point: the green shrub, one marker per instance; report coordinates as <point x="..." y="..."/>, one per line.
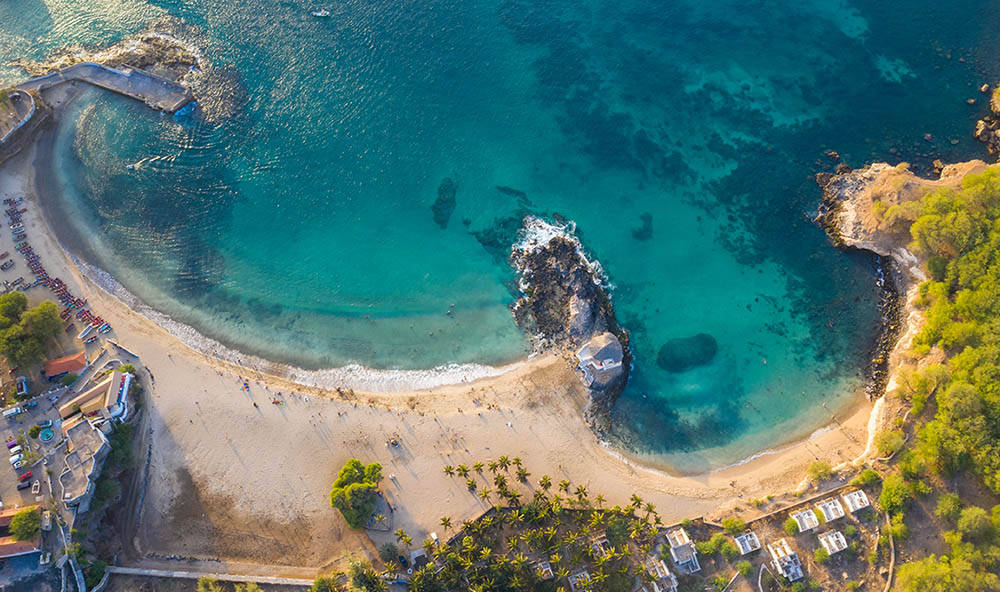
<point x="791" y="526"/>
<point x="34" y="431"/>
<point x="949" y="507"/>
<point x="895" y="494"/>
<point x="866" y="477"/>
<point x="898" y="529"/>
<point x="734" y="526"/>
<point x="745" y="568"/>
<point x="850" y="530"/>
<point x="721" y="581"/>
<point x="68" y="379"/>
<point x="821" y="555"/>
<point x="974" y="524"/>
<point x="819" y="471"/>
<point x="889" y="441"/>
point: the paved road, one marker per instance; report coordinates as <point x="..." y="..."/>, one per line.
<point x="194" y="575"/>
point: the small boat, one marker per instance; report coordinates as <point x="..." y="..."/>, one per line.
<point x="86" y="331"/>
<point x="104" y="328"/>
<point x="321" y="13"/>
<point x="90" y="340"/>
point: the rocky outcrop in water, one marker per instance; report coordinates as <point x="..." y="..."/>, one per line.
<point x="988" y="128"/>
<point x="444" y="205"/>
<point x="683" y="353"/>
<point x="565" y="304"/>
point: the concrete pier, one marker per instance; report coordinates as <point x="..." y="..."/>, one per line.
<point x="158" y="93"/>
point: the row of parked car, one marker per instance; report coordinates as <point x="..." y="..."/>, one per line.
<point x="17" y="460"/>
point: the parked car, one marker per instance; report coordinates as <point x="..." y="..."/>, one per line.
<point x="24" y="477"/>
<point x="36" y="487"/>
<point x="45" y="424"/>
<point x="18" y="464"/>
<point x="23" y="485"/>
<point x="16" y="458"/>
<point x="11" y="443"/>
<point x="31" y="404"/>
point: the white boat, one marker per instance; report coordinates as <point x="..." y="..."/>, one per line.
<point x="322" y="12"/>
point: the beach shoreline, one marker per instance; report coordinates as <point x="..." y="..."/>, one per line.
<point x="532" y="409"/>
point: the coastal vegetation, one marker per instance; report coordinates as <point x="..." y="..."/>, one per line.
<point x="24" y="331"/>
<point x="355" y="493"/>
<point x="953" y="388"/>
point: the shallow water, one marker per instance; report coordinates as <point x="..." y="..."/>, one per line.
<point x="301" y="229"/>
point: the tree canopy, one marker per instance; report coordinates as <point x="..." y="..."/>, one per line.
<point x="25" y="525"/>
<point x="23" y="331"/>
<point x="354" y="491"/>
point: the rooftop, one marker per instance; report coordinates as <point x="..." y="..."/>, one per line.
<point x="86" y="449"/>
<point x="101" y="397"/>
<point x="71" y="363"/>
<point x="856" y="500"/>
<point x="833" y="541"/>
<point x="831" y="509"/>
<point x="806" y="520"/>
<point x="785" y="560"/>
<point x="747" y="543"/>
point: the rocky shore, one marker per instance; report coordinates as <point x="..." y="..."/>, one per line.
<point x="851" y="213"/>
<point x="565" y="305"/>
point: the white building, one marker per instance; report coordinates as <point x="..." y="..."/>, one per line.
<point x="682" y="551"/>
<point x="806" y="520"/>
<point x="856" y="500"/>
<point x="831" y="509"/>
<point x="747" y="543"/>
<point x="785" y="560"/>
<point x="833" y="541"/>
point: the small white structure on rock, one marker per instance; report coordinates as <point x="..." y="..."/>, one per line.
<point x="856" y="500"/>
<point x="682" y="551"/>
<point x="833" y="541"/>
<point x="806" y="520"/>
<point x="831" y="509"/>
<point x="747" y="542"/>
<point x="785" y="560"/>
<point x="600" y="360"/>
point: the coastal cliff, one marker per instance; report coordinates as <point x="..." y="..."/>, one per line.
<point x="565" y="305"/>
<point x="853" y="212"/>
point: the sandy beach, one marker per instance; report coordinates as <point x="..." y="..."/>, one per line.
<point x="235" y="476"/>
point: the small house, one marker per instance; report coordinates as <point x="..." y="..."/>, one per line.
<point x="833" y="541"/>
<point x="661" y="580"/>
<point x="785" y="560"/>
<point x="544" y="570"/>
<point x="806" y="520"/>
<point x="747" y="543"/>
<point x="831" y="509"/>
<point x="61" y="366"/>
<point x="601" y="546"/>
<point x="682" y="551"/>
<point x="856" y="500"/>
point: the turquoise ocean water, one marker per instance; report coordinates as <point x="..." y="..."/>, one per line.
<point x="301" y="229"/>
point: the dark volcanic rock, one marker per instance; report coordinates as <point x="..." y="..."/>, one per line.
<point x="444" y="205"/>
<point x="565" y="304"/>
<point x="684" y="353"/>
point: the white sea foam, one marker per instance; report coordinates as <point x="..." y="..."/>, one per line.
<point x="352" y="376"/>
<point x="537" y="233"/>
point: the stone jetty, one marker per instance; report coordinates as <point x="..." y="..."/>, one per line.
<point x="158" y="93"/>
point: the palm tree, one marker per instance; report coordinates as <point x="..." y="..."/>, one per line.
<point x="478" y="466"/>
<point x="522" y="474"/>
<point x="564" y="486"/>
<point x="400" y="535"/>
<point x="581" y="492"/>
<point x="449" y="470"/>
<point x="599" y="500"/>
<point x="636" y="500"/>
<point x="503" y="462"/>
<point x="545" y="482"/>
<point x="462" y="470"/>
<point x="471" y="484"/>
<point x="517" y="461"/>
<point x="428" y="547"/>
<point x="493" y="466"/>
<point x="500" y="481"/>
<point x="445" y="522"/>
<point x="485" y="493"/>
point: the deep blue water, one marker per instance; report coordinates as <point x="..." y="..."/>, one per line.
<point x="301" y="228"/>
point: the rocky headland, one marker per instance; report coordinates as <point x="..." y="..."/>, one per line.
<point x="852" y="212"/>
<point x="565" y="304"/>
